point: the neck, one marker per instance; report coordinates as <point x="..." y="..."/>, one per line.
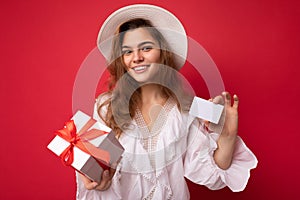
<point x="152" y="94"/>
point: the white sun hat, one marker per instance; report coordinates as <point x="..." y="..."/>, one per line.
<point x="167" y="23"/>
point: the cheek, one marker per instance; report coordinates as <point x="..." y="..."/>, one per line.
<point x="126" y="60"/>
<point x="157" y="56"/>
<point x="154" y="57"/>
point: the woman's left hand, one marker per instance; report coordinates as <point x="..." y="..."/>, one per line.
<point x="228" y="127"/>
<point x="228" y="123"/>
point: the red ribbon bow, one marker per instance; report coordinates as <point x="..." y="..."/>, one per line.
<point x="80" y="140"/>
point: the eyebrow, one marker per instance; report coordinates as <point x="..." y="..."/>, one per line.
<point x="139" y="45"/>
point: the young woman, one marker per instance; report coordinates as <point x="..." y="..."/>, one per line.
<point x="147" y="107"/>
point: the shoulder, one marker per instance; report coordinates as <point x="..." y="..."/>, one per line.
<point x="101" y="107"/>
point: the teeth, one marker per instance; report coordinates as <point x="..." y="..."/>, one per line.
<point x="139" y="68"/>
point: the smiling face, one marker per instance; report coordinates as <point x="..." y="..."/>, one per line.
<point x="139" y="51"/>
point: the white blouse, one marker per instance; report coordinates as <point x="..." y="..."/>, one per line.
<point x="156" y="161"/>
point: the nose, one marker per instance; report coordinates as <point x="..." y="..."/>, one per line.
<point x="137" y="56"/>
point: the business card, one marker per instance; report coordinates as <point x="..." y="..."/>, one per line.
<point x="206" y="110"/>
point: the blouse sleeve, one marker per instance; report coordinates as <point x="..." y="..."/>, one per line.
<point x="113" y="192"/>
<point x="200" y="167"/>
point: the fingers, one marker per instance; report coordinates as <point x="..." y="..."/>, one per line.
<point x="218" y="100"/>
<point x="104" y="184"/>
<point x="88" y="183"/>
<point x="206" y="123"/>
<point x="235" y="101"/>
<point x="106" y="179"/>
<point x="112" y="171"/>
<point x="227" y="98"/>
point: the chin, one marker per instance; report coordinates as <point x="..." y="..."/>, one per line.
<point x="139" y="78"/>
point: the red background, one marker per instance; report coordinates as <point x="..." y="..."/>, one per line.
<point x="255" y="45"/>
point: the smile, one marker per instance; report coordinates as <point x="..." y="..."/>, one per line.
<point x="141" y="68"/>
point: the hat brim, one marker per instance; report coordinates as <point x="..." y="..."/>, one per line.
<point x="168" y="24"/>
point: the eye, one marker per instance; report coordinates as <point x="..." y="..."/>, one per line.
<point x="146" y="48"/>
<point x="126" y="52"/>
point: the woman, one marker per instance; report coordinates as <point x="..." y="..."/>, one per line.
<point x="147" y="107"/>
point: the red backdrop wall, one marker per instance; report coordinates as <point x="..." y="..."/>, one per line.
<point x="255" y="45"/>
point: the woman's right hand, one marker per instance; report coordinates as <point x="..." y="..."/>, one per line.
<point x="104" y="184"/>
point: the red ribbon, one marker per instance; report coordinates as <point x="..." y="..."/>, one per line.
<point x="80" y="140"/>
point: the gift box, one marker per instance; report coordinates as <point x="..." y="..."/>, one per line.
<point x="87" y="145"/>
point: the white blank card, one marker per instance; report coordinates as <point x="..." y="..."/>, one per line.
<point x="206" y="110"/>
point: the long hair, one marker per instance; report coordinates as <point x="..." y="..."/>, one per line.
<point x="124" y="91"/>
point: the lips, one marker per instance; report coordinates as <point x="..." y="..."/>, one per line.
<point x="140" y="68"/>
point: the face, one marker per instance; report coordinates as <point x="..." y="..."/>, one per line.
<point x="139" y="51"/>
